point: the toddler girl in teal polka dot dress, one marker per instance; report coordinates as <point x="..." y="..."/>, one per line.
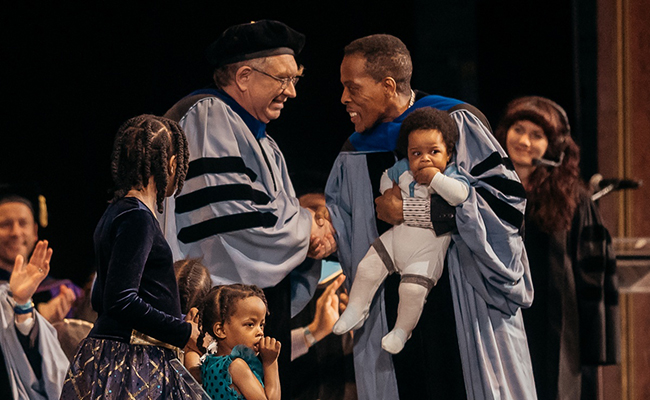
<point x="233" y="317"/>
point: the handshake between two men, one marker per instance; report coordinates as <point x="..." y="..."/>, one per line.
<point x="321" y="242"/>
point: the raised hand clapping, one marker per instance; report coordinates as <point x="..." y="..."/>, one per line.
<point x="25" y="278"/>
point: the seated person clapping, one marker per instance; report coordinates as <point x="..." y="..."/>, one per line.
<point x="33" y="364"/>
<point x="22" y="211"/>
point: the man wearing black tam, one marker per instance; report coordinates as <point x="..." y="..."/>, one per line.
<point x="238" y="210"/>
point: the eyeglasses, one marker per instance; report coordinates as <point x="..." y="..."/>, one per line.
<point x="284" y="81"/>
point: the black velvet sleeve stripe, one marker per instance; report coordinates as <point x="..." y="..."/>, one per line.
<point x="503" y="210"/>
<point x="507" y="162"/>
<point x="493" y="160"/>
<point x="219" y="166"/>
<point x="506" y="186"/>
<point x="228" y="223"/>
<point x="214" y="194"/>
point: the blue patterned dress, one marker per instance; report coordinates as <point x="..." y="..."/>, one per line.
<point x="216" y="375"/>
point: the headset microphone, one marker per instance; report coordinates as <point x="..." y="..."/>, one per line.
<point x="548" y="163"/>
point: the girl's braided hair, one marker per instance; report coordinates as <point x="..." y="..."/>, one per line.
<point x="142" y="149"/>
<point x="194" y="282"/>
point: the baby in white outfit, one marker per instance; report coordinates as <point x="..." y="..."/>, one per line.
<point x="417" y="253"/>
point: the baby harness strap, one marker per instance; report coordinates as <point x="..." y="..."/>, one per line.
<point x="428" y="283"/>
<point x="390" y="266"/>
<point x="385" y="257"/>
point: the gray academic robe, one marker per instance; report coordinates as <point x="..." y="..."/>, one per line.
<point x="24" y="383"/>
<point x="238" y="210"/>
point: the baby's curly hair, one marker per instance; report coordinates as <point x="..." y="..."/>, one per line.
<point x="220" y="304"/>
<point x="143" y="147"/>
<point x="427" y="118"/>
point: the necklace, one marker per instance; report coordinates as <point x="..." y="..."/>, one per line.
<point x="412" y="100"/>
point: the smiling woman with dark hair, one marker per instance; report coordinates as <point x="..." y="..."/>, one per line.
<point x="571" y="326"/>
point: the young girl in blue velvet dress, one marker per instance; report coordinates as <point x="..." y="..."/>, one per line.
<point x="232" y="317"/>
<point x="139" y="329"/>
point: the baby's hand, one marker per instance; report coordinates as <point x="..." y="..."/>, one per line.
<point x="269" y="350"/>
<point x="425" y="175"/>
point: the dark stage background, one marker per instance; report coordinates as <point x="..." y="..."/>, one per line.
<point x="74" y="72"/>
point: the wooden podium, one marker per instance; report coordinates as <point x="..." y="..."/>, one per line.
<point x="631" y="379"/>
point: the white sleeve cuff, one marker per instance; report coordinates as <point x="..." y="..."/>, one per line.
<point x="299" y="344"/>
<point x="26" y="326"/>
<point x="454" y="191"/>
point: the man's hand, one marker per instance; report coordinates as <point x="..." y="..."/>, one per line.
<point x="25" y="278"/>
<point x="58" y="307"/>
<point x="322" y="215"/>
<point x="425" y="175"/>
<point x="321" y="242"/>
<point x="316" y="203"/>
<point x="389" y="206"/>
<point x="327" y="310"/>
